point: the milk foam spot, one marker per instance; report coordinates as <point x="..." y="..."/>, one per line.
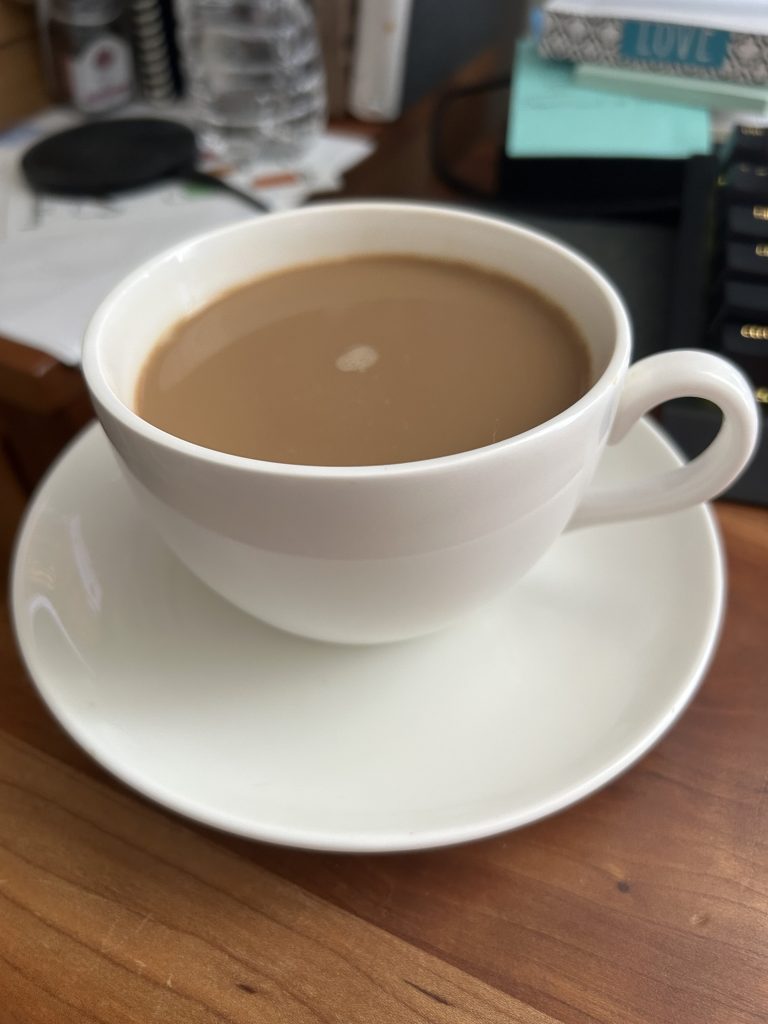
<point x="357" y="359"/>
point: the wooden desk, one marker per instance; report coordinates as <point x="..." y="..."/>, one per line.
<point x="646" y="904"/>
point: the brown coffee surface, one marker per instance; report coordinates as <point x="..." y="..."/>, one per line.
<point x="365" y="361"/>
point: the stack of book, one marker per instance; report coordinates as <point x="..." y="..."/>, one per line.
<point x="707" y="53"/>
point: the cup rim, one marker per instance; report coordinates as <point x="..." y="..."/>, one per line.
<point x="104" y="395"/>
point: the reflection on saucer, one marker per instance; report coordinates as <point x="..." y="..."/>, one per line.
<point x="524" y="708"/>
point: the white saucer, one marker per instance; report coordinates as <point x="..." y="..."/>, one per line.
<point x="526" y="707"/>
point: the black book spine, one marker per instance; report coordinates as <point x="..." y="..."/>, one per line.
<point x="157" y="60"/>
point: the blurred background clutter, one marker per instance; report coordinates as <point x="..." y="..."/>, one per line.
<point x="256" y="80"/>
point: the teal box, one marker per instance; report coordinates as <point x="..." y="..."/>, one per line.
<point x="661" y="42"/>
<point x="551" y="114"/>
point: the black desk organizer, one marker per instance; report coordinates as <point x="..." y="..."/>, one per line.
<point x="680" y="239"/>
<point x="685" y="242"/>
<point x="709" y="261"/>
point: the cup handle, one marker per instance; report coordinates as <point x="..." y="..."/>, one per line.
<point x="683" y="373"/>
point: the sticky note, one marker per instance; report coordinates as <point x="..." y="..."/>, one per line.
<point x="552" y="114"/>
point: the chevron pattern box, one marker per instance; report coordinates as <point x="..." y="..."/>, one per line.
<point x="697" y="50"/>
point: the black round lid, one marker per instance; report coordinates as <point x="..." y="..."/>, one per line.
<point x="109" y="156"/>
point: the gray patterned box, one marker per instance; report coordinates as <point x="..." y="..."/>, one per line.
<point x="655" y="46"/>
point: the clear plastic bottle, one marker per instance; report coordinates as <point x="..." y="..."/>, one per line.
<point x="254" y="74"/>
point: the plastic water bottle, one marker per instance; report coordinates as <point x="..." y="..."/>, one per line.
<point x="254" y="75"/>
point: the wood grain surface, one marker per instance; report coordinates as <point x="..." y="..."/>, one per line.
<point x="114" y="912"/>
<point x="646" y="904"/>
<point x="22" y="91"/>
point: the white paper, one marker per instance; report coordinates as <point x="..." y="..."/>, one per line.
<point x="50" y="286"/>
<point x="60" y="257"/>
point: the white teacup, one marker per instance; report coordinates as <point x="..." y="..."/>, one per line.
<point x="368" y="554"/>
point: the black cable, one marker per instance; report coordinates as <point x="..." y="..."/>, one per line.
<point x="440" y="165"/>
<point x="203" y="178"/>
